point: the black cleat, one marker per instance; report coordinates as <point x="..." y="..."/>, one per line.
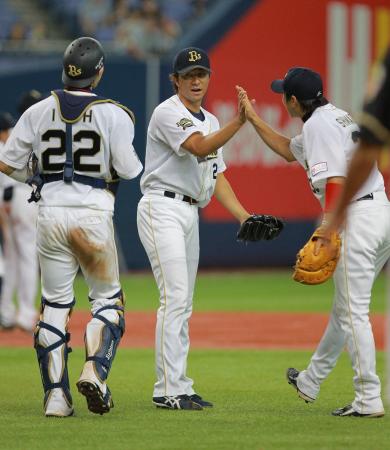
<point x="96" y="401"/>
<point x="199" y="400"/>
<point x="348" y="411"/>
<point x="176" y="402"/>
<point x="292" y="375"/>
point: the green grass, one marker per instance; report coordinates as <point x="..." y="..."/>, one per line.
<point x="237" y="291"/>
<point x="254" y="409"/>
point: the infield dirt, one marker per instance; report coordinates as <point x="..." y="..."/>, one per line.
<point x="224" y="330"/>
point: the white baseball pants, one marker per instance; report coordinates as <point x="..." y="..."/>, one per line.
<point x="60" y="259"/>
<point x="21" y="262"/>
<point x="60" y="262"/>
<point x="169" y="231"/>
<point x="365" y="249"/>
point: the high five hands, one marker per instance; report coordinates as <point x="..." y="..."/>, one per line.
<point x="245" y="106"/>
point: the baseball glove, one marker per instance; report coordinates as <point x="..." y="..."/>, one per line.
<point x="316" y="269"/>
<point x="258" y="227"/>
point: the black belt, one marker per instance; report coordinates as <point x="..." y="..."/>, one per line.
<point x="83" y="179"/>
<point x="366" y="197"/>
<point x="186" y="198"/>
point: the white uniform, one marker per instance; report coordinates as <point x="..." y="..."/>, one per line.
<point x="324" y="149"/>
<point x="74" y="217"/>
<point x="169" y="230"/>
<point x="2" y="220"/>
<point x="20" y="256"/>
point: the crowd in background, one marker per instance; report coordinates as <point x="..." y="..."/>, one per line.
<point x="139" y="28"/>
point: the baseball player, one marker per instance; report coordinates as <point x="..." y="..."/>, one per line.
<point x="20" y="254"/>
<point x="28" y="99"/>
<point x="6" y="124"/>
<point x="80" y="144"/>
<point x="374" y="135"/>
<point x="324" y="148"/>
<point x="183" y="168"/>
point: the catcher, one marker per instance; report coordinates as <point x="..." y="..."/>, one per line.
<point x="328" y="141"/>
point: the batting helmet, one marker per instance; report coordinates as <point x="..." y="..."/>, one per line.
<point x="82" y="61"/>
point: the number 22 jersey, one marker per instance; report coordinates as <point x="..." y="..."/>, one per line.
<point x="101" y="145"/>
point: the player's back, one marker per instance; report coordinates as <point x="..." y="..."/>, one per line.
<point x="101" y="149"/>
<point x="330" y="138"/>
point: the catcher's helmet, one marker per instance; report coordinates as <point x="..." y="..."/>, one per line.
<point x="83" y="59"/>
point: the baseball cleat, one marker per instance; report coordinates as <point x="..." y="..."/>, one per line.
<point x="96" y="401"/>
<point x="57" y="404"/>
<point x="348" y="411"/>
<point x="176" y="402"/>
<point x="59" y="415"/>
<point x="199" y="400"/>
<point x="292" y="376"/>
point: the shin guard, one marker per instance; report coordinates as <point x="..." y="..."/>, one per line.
<point x="110" y="336"/>
<point x="52" y="353"/>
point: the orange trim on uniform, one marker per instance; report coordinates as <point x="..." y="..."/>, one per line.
<point x="332" y="193"/>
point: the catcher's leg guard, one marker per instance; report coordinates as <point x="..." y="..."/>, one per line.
<point x="51" y="344"/>
<point x="102" y="338"/>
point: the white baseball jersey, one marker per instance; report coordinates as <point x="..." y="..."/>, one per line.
<point x="324" y="149"/>
<point x="170" y="167"/>
<point x="326" y="146"/>
<point x="100" y="147"/>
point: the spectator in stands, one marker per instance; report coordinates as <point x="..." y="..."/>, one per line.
<point x="145" y="30"/>
<point x="94" y="13"/>
<point x="18" y="32"/>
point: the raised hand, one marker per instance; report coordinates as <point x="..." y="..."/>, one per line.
<point x="246" y="104"/>
<point x="241" y="106"/>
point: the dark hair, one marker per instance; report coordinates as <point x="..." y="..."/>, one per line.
<point x="309" y="106"/>
<point x="172" y="78"/>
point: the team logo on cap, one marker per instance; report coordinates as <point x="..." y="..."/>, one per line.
<point x="73" y="71"/>
<point x="185" y="123"/>
<point x="194" y="56"/>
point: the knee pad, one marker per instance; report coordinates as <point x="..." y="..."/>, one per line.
<point x="53" y="365"/>
<point x="106" y="338"/>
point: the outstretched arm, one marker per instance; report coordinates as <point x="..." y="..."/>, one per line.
<point x="277" y="142"/>
<point x="200" y="145"/>
<point x="226" y="196"/>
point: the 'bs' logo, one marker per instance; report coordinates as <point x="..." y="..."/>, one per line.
<point x="73" y="71"/>
<point x="194" y="56"/>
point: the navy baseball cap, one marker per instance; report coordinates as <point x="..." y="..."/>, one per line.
<point x="6" y="121"/>
<point x="191" y="58"/>
<point x="303" y="83"/>
<point x="28" y="99"/>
